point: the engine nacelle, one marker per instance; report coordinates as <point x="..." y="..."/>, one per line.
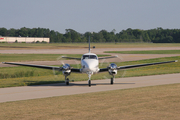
<point x="112" y="69"/>
<point x="66" y="67"/>
<point x="66" y="70"/>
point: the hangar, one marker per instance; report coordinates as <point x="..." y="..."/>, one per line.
<point x="24" y="39"/>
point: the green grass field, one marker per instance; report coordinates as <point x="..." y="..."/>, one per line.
<point x="147" y="103"/>
<point x="5" y="46"/>
<point x="22" y="76"/>
<point x="147" y="52"/>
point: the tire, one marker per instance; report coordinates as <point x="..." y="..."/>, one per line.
<point x="89" y="82"/>
<point x="112" y="81"/>
<point x="67" y="81"/>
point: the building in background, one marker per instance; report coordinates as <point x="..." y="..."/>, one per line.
<point x="23" y="39"/>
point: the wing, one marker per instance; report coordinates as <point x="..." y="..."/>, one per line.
<point x="37" y="66"/>
<point x="75" y="70"/>
<point x="138" y="65"/>
<point x="71" y="58"/>
<point x="141" y="65"/>
<point x="44" y="67"/>
<point x="103" y="70"/>
<point x="107" y="57"/>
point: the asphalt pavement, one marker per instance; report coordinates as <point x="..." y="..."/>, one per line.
<point x="60" y="89"/>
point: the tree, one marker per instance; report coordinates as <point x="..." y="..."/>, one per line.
<point x="12" y="32"/>
<point x="3" y="31"/>
<point x="168" y="39"/>
<point x="39" y="32"/>
<point x="23" y="32"/>
<point x="157" y="35"/>
<point x="146" y="37"/>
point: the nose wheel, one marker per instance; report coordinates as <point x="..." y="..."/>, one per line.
<point x="89" y="81"/>
<point x="112" y="80"/>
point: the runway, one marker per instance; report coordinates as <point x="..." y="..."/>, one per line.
<point x="60" y="89"/>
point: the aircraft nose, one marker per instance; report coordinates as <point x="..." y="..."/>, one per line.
<point x="91" y="66"/>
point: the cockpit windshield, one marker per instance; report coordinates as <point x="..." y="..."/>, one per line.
<point x="89" y="57"/>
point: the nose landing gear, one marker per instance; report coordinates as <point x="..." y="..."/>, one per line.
<point x="112" y="80"/>
<point x="89" y="80"/>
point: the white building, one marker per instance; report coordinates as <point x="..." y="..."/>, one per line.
<point x="23" y="39"/>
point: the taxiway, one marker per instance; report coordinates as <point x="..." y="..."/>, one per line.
<point x="60" y="89"/>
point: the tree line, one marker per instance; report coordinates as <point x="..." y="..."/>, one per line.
<point x="157" y="35"/>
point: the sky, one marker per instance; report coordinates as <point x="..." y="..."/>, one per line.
<point x="90" y="15"/>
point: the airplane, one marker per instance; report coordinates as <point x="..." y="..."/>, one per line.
<point x="90" y="66"/>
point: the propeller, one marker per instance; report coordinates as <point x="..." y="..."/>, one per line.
<point x="121" y="72"/>
<point x="61" y="63"/>
<point x="106" y="63"/>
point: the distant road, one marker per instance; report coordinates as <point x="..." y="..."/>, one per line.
<point x="82" y="50"/>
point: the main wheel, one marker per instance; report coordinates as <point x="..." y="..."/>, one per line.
<point x="67" y="81"/>
<point x="112" y="80"/>
<point x="89" y="82"/>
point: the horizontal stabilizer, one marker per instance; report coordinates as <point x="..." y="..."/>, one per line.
<point x="71" y="58"/>
<point x="107" y="57"/>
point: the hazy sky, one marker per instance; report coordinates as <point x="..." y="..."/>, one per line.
<point x="90" y="15"/>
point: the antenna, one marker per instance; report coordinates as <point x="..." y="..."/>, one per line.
<point x="89" y="45"/>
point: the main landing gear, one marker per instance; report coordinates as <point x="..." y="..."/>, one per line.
<point x="89" y="80"/>
<point x="66" y="80"/>
<point x="89" y="83"/>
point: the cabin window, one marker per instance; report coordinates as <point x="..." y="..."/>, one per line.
<point x="89" y="57"/>
<point x="92" y="57"/>
<point x="85" y="56"/>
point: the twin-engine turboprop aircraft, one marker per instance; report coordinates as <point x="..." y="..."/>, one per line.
<point x="90" y="66"/>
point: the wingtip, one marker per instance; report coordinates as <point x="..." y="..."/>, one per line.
<point x="176" y="60"/>
<point x="3" y="62"/>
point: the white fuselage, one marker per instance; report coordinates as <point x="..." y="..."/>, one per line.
<point x="89" y="63"/>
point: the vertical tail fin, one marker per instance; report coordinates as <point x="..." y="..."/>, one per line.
<point x="89" y="45"/>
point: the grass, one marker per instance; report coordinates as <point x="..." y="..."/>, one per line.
<point x="148" y="103"/>
<point x="147" y="52"/>
<point x="36" y="57"/>
<point x="5" y="46"/>
<point x="16" y="76"/>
